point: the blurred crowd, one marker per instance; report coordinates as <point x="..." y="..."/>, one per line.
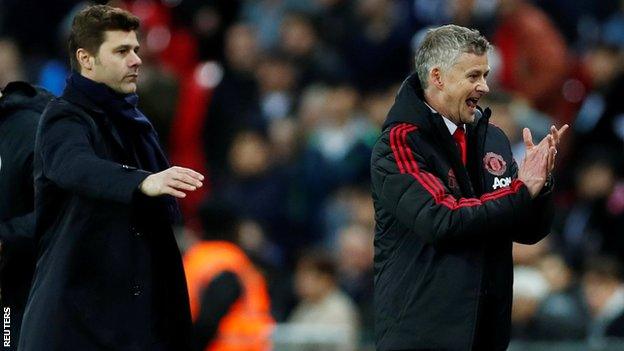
<point x="279" y="102"/>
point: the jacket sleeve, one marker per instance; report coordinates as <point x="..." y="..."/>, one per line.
<point x="216" y="300"/>
<point x="405" y="187"/>
<point x="535" y="223"/>
<point x="65" y="144"/>
<point x="18" y="231"/>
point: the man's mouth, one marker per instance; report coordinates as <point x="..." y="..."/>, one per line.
<point x="472" y="102"/>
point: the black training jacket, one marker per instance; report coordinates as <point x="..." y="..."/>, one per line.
<point x="20" y="109"/>
<point x="444" y="231"/>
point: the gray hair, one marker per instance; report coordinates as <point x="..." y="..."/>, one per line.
<point x="443" y="45"/>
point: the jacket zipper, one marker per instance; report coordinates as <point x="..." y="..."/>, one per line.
<point x="481" y="178"/>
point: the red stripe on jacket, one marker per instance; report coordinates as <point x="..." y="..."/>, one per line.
<point x="407" y="164"/>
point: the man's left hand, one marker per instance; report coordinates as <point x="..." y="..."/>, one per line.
<point x="552" y="140"/>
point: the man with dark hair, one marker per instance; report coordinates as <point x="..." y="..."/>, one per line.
<point x="20" y="108"/>
<point x="109" y="274"/>
<point x="88" y="32"/>
<point x="449" y="202"/>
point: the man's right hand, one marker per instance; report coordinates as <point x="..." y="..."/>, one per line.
<point x="173" y="181"/>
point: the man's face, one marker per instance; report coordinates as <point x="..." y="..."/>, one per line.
<point x="463" y="85"/>
<point x="117" y="61"/>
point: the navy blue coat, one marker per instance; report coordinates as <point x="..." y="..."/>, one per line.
<point x="109" y="274"/>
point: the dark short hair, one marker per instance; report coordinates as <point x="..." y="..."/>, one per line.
<point x="89" y="25"/>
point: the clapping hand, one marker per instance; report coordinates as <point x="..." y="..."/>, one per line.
<point x="554" y="141"/>
<point x="539" y="160"/>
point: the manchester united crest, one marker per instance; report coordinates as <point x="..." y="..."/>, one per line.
<point x="494" y="164"/>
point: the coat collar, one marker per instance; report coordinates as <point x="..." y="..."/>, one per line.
<point x="80" y="98"/>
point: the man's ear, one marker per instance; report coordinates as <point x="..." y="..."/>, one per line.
<point x="435" y="77"/>
<point x="85" y="59"/>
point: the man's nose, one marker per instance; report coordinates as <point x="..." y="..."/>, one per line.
<point x="134" y="60"/>
<point x="482" y="87"/>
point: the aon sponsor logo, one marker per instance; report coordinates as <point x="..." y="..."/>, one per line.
<point x="501" y="182"/>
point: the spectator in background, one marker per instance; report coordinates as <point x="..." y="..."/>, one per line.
<point x="529" y="255"/>
<point x="283" y="136"/>
<point x="348" y="205"/>
<point x="579" y="21"/>
<point x="311" y="110"/>
<point x="254" y="91"/>
<point x="336" y="151"/>
<point x="355" y="261"/>
<point x="600" y="120"/>
<point x="613" y="28"/>
<point x="376" y="104"/>
<point x="209" y="21"/>
<point x="258" y="190"/>
<point x="340" y="142"/>
<point x="277" y="83"/>
<point x="427" y="13"/>
<point x="159" y="92"/>
<point x="323" y="306"/>
<point x="355" y="272"/>
<point x="33" y="24"/>
<point x="234" y="105"/>
<point x="548" y="304"/>
<point x="315" y="61"/>
<point x="525" y="36"/>
<point x="287" y="141"/>
<point x="604" y="291"/>
<point x="336" y="22"/>
<point x="229" y="300"/>
<point x="529" y="290"/>
<point x="267" y="257"/>
<point x="10" y="62"/>
<point x="562" y="314"/>
<point x="587" y="226"/>
<point x="378" y="51"/>
<point x="267" y="16"/>
<point x="21" y="106"/>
